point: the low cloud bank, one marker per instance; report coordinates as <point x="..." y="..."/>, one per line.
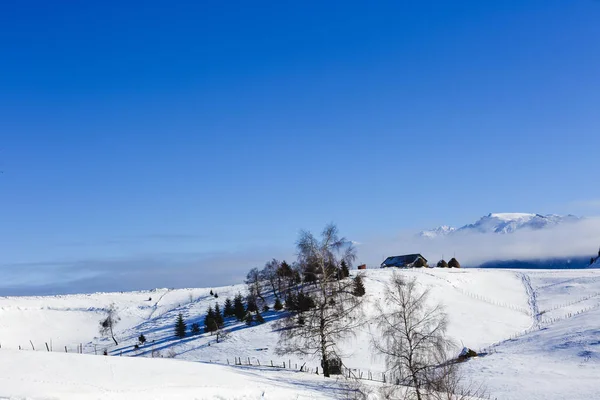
<point x="177" y="270"/>
<point x="575" y="239"/>
<point x="134" y="273"/>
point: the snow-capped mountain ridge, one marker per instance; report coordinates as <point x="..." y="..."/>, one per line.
<point x="503" y="223"/>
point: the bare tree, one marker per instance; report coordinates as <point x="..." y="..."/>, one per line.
<point x="255" y="283"/>
<point x="271" y="277"/>
<point x="415" y="344"/>
<point x="107" y="324"/>
<point x="336" y="312"/>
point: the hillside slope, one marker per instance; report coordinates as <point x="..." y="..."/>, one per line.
<point x="518" y="316"/>
<point x="38" y="375"/>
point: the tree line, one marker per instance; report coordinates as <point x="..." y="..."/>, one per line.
<point x="322" y="306"/>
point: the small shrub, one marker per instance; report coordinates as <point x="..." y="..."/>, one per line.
<point x="171" y="353"/>
<point x="195" y="329"/>
<point x="259" y="319"/>
<point x="278" y="306"/>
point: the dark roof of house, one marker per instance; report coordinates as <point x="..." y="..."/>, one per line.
<point x="400" y="261"/>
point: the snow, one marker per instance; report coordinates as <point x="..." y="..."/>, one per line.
<point x="38" y="375"/>
<point x="540" y="328"/>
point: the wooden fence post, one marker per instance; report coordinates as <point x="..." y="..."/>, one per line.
<point x="32" y="345"/>
<point x="66" y="349"/>
<point x="47" y="348"/>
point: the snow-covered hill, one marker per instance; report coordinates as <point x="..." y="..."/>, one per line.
<point x="39" y="375"/>
<point x="539" y="328"/>
<point x="503" y="223"/>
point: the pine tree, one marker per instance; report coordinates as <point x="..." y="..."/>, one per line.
<point x="211" y="292"/>
<point x="219" y="317"/>
<point x="278" y="306"/>
<point x="228" y="310"/>
<point x="442" y="264"/>
<point x="359" y="287"/>
<point x="453" y="263"/>
<point x="251" y="304"/>
<point x="216" y="295"/>
<point x="195" y="329"/>
<point x="238" y="307"/>
<point x="249" y="319"/>
<point x="291" y="302"/>
<point x="142" y="339"/>
<point x="210" y="323"/>
<point x="259" y="318"/>
<point x="304" y="302"/>
<point x="180" y="326"/>
<point x="345" y="269"/>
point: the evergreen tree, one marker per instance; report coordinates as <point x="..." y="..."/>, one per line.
<point x="259" y="318"/>
<point x="180" y="326"/>
<point x="228" y="310"/>
<point x="142" y="339"/>
<point x="345" y="270"/>
<point x="442" y="264"/>
<point x="218" y="316"/>
<point x="278" y="306"/>
<point x="251" y="304"/>
<point x="249" y="319"/>
<point x="304" y="302"/>
<point x="238" y="307"/>
<point x="359" y="287"/>
<point x="211" y="292"/>
<point x="210" y="322"/>
<point x="216" y="295"/>
<point x="291" y="302"/>
<point x="195" y="329"/>
<point x="453" y="263"/>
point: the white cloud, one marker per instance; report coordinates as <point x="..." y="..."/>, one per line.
<point x="577" y="239"/>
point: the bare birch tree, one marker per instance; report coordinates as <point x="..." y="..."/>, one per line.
<point x="272" y="278"/>
<point x="413" y="340"/>
<point x="108" y="323"/>
<point x="336" y="312"/>
<point x="256" y="284"/>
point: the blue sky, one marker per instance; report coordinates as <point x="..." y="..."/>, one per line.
<point x="152" y="136"/>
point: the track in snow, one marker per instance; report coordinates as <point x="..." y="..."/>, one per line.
<point x="531" y="299"/>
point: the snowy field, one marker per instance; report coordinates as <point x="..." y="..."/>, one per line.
<point x="540" y="328"/>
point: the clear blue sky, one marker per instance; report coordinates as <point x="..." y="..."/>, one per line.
<point x="150" y="130"/>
